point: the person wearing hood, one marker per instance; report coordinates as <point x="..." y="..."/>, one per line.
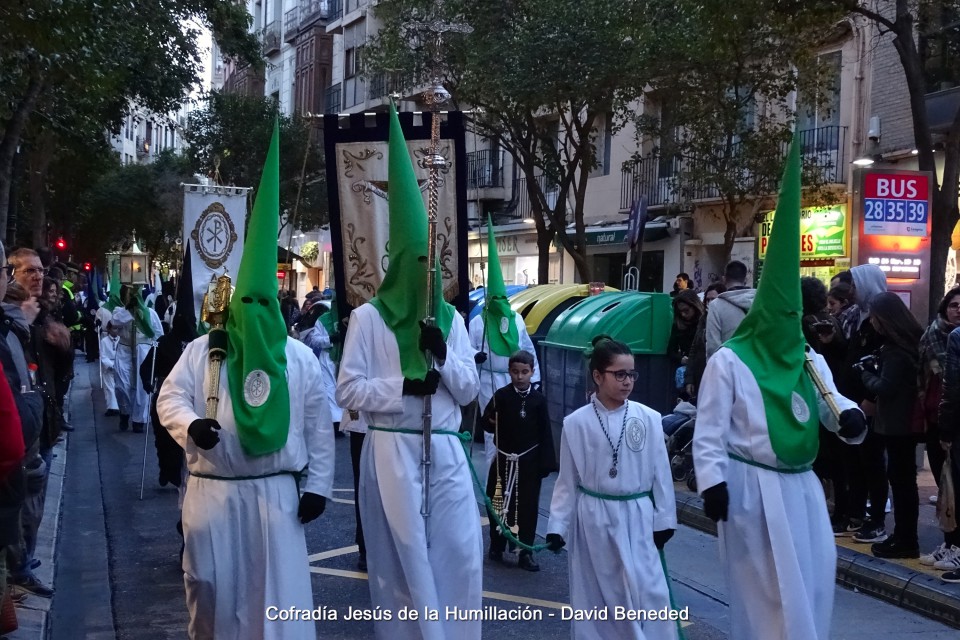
<point x="497" y="333"/>
<point x="730" y="307"/>
<point x="384" y="376"/>
<point x="757" y="436"/>
<point x="245" y="553"/>
<point x="866" y="467"/>
<point x="139" y="329"/>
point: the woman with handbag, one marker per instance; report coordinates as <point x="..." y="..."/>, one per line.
<point x="933" y="348"/>
<point x="893" y="380"/>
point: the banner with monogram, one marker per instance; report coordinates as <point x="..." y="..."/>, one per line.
<point x="213" y="224"/>
<point x="356" y="164"/>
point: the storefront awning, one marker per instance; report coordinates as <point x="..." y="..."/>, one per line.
<point x="613" y="235"/>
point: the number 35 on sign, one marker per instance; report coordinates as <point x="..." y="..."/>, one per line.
<point x="896" y="204"/>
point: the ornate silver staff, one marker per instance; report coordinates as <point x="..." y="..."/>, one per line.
<point x="216" y="302"/>
<point x="434" y="97"/>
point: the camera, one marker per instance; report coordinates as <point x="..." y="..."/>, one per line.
<point x="824" y="328"/>
<point x="866" y="362"/>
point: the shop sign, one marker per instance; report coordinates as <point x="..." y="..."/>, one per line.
<point x="823" y="232"/>
<point x="896" y="204"/>
<point x="606" y="238"/>
<point x="898" y="267"/>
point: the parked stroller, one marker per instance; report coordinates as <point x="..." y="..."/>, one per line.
<point x="678" y="429"/>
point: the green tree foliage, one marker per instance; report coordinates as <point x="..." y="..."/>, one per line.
<point x="541" y="76"/>
<point x="721" y="109"/>
<point x="70" y="68"/>
<point x="235" y="131"/>
<point x="142" y="198"/>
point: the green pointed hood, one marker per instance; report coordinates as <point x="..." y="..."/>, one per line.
<point x="770" y="338"/>
<point x="256" y="332"/>
<point x="141" y="314"/>
<point x="499" y="323"/>
<point x="113" y="298"/>
<point x="331" y="323"/>
<point x="402" y="298"/>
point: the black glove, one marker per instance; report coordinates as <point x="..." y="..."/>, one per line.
<point x="311" y="506"/>
<point x="431" y="339"/>
<point x="426" y="387"/>
<point x="716" y="501"/>
<point x="661" y="538"/>
<point x="336" y="338"/>
<point x="204" y="433"/>
<point x="479" y="357"/>
<point x="555" y="542"/>
<point x="852" y="424"/>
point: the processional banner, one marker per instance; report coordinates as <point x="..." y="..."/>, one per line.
<point x="213" y="225"/>
<point x="356" y="165"/>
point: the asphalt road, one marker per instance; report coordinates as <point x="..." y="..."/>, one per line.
<point x="118" y="557"/>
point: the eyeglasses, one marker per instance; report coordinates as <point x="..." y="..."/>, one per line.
<point x="953" y="305"/>
<point x="33" y="271"/>
<point x="623" y="375"/>
<point x="9" y="269"/>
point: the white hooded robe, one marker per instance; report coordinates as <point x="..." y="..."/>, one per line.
<point x="131" y="397"/>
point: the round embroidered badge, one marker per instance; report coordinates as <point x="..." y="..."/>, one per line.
<point x="256" y="388"/>
<point x="799" y="406"/>
<point x="636" y="435"/>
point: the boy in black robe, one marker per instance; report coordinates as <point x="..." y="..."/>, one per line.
<point x="517" y="416"/>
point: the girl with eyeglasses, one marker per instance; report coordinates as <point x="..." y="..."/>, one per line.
<point x="614" y="501"/>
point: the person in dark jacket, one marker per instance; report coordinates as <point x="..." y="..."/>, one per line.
<point x="697" y="358"/>
<point x="933" y="349"/>
<point x="893" y="380"/>
<point x="687" y="311"/>
<point x="865" y="470"/>
<point x="949" y="420"/>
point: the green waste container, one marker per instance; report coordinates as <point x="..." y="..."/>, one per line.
<point x="641" y="320"/>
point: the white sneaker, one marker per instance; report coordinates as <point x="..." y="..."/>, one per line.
<point x="933" y="499"/>
<point x="935" y="556"/>
<point x="950" y="562"/>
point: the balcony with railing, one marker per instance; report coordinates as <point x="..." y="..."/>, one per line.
<point x="524" y="209"/>
<point x="673" y="180"/>
<point x="291" y="25"/>
<point x="332" y="99"/>
<point x="382" y="85"/>
<point x="271" y="38"/>
<point x="484" y="169"/>
<point x="313" y="10"/>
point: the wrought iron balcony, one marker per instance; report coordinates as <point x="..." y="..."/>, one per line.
<point x="382" y="85"/>
<point x="332" y="99"/>
<point x="313" y="10"/>
<point x="524" y="210"/>
<point x="291" y="24"/>
<point x="484" y="169"/>
<point x="271" y="38"/>
<point x="667" y="180"/>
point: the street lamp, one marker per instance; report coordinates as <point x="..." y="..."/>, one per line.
<point x="134" y="266"/>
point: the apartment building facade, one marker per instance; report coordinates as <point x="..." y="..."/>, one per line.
<point x="145" y="134"/>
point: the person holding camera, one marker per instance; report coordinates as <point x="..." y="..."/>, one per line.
<point x="892" y="378"/>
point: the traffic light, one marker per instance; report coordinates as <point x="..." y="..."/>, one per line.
<point x="87" y="266"/>
<point x="61" y="244"/>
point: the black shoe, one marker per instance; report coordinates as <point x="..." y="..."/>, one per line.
<point x="124" y="422"/>
<point x="527" y="562"/>
<point x="29" y="582"/>
<point x="893" y="548"/>
<point x="34" y="564"/>
<point x="111" y="412"/>
<point x="362" y="562"/>
<point x="870" y="532"/>
<point x="138" y="427"/>
<point x="495" y="556"/>
<point x="66" y="426"/>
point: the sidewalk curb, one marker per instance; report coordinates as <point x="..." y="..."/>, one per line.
<point x="890" y="582"/>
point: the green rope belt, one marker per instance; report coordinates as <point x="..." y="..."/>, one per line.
<point x="419" y="432"/>
<point x="754" y="463"/>
<point x="492" y="370"/>
<point x="618" y="498"/>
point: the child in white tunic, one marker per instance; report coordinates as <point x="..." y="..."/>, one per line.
<point x="614" y="500"/>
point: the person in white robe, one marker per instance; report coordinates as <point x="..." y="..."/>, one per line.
<point x="615" y="521"/>
<point x="108" y="357"/>
<point x="759" y="413"/>
<point x="134" y="345"/>
<point x="245" y="553"/>
<point x="385" y="375"/>
<point x="317" y="338"/>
